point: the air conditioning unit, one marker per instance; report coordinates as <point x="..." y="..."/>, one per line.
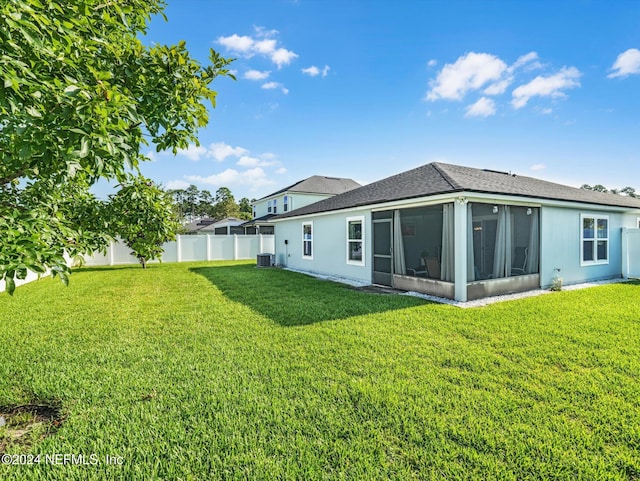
<point x="265" y="260"/>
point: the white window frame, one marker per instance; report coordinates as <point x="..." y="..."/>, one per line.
<point x="310" y="224"/>
<point x="349" y="241"/>
<point x="275" y="206"/>
<point x="285" y="203"/>
<point x="269" y="207"/>
<point x="595" y="239"/>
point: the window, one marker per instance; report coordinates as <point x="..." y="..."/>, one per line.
<point x="275" y="207"/>
<point x="285" y="204"/>
<point x="254" y="211"/>
<point x="269" y="207"/>
<point x="307" y="240"/>
<point x="355" y="241"/>
<point x="594" y="248"/>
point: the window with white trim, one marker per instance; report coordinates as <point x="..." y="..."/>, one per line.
<point x="307" y="240"/>
<point x="285" y="203"/>
<point x="269" y="206"/>
<point x="355" y="240"/>
<point x="275" y="206"/>
<point x="594" y="239"/>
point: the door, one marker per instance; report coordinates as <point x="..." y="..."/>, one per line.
<point x="382" y="252"/>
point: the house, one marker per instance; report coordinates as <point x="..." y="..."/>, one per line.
<point x="459" y="232"/>
<point x="300" y="194"/>
<point x="226" y="226"/>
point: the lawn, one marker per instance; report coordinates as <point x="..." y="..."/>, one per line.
<point x="202" y="371"/>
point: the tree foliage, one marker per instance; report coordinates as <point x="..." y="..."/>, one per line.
<point x="193" y="203"/>
<point x="143" y="216"/>
<point x="79" y="95"/>
<point x="629" y="191"/>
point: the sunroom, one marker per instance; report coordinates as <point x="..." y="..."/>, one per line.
<point x="484" y="248"/>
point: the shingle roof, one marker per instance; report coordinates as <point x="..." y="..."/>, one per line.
<point x="319" y="184"/>
<point x="438" y="178"/>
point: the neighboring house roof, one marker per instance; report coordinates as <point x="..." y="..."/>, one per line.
<point x="438" y="178"/>
<point x="319" y="184"/>
<point x="196" y="225"/>
<point x="259" y="220"/>
<point x="227" y="221"/>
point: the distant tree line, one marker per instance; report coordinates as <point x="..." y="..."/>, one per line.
<point x="192" y="204"/>
<point x="629" y="191"/>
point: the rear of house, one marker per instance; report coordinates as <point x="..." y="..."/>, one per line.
<point x="460" y="233"/>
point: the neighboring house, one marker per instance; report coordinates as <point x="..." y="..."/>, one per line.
<point x="300" y="194"/>
<point x="459" y="232"/>
<point x="195" y="226"/>
<point x="226" y="226"/>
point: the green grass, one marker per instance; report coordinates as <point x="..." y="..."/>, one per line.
<point x="224" y="371"/>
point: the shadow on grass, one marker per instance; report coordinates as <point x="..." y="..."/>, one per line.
<point x="121" y="267"/>
<point x="293" y="299"/>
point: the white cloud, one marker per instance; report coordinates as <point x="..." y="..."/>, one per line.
<point x="177" y="184"/>
<point x="193" y="152"/>
<point x="498" y="87"/>
<point x="236" y="43"/>
<point x="538" y="167"/>
<point x="282" y="57"/>
<point x="266" y="47"/>
<point x="265" y="160"/>
<point x="550" y="86"/>
<point x="246" y="161"/>
<point x="256" y="74"/>
<point x="484" y="107"/>
<point x="281" y="170"/>
<point x="275" y="85"/>
<point x="220" y="151"/>
<point x="262" y="45"/>
<point x="432" y="63"/>
<point x="470" y="72"/>
<point x="530" y="60"/>
<point x="314" y="71"/>
<point x="546" y="111"/>
<point x="254" y="178"/>
<point x="627" y="63"/>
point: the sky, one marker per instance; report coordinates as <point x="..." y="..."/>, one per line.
<point x="368" y="89"/>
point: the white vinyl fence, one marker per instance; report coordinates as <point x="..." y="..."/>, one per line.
<point x="184" y="249"/>
<point x="188" y="248"/>
<point x="630" y="253"/>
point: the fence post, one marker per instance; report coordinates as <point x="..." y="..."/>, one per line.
<point x="235" y="247"/>
<point x="261" y="248"/>
<point x="111" y="252"/>
<point x="208" y="247"/>
<point x="178" y="249"/>
<point x="625" y="253"/>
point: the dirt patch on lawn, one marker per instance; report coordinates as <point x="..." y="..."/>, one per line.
<point x="21" y="426"/>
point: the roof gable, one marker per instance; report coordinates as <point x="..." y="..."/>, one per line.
<point x="319" y="184"/>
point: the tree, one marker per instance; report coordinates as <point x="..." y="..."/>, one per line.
<point x="246" y="211"/>
<point x="629" y="191"/>
<point x="79" y="95"/>
<point x="144" y="218"/>
<point x="225" y="205"/>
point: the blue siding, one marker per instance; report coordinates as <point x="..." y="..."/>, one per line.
<point x="329" y="246"/>
<point x="560" y="245"/>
